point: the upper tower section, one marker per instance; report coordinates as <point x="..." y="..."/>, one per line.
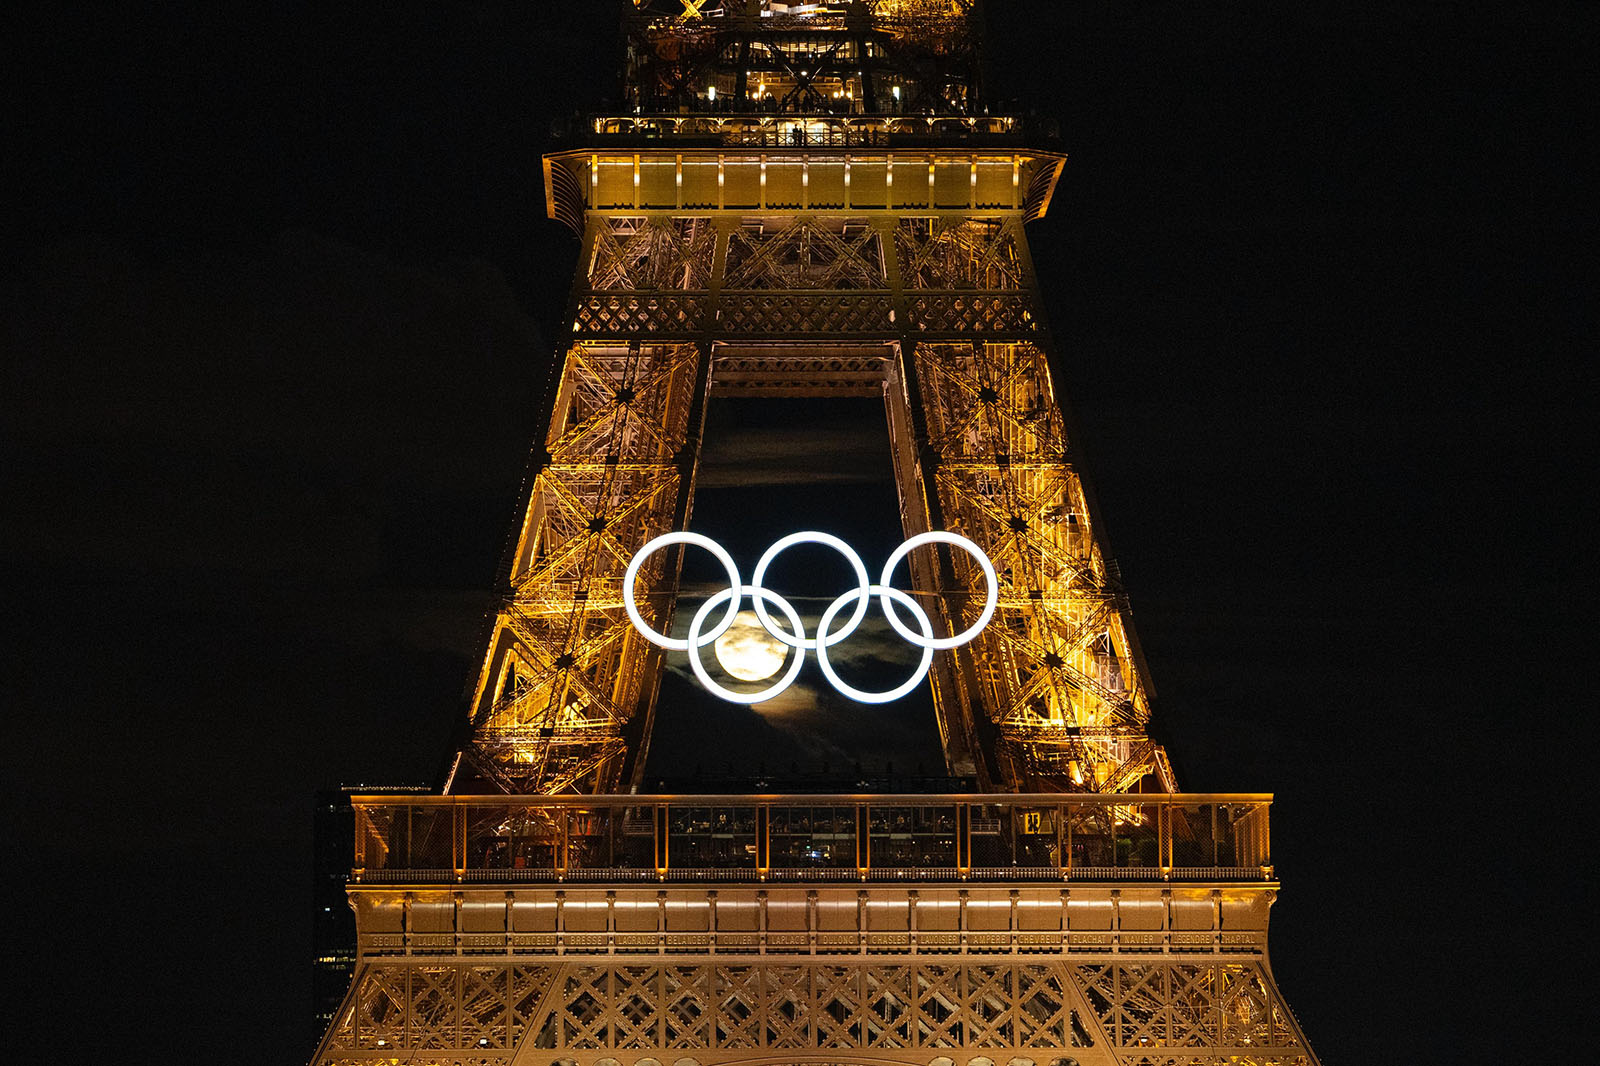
<point x="802" y="73"/>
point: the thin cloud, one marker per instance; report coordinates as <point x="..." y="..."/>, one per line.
<point x="818" y="725"/>
<point x="787" y="455"/>
<point x="874" y="642"/>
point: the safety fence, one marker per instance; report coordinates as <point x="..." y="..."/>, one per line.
<point x="815" y="838"/>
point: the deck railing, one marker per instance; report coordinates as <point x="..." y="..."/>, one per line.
<point x="787" y="130"/>
<point x="811" y="838"/>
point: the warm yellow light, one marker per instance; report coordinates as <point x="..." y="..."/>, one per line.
<point x="748" y="651"/>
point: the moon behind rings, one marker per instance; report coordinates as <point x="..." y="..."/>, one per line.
<point x="747" y="651"/>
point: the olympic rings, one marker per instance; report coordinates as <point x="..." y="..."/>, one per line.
<point x="795" y="636"/>
<point x="812" y="537"/>
<point x="857" y="694"/>
<point x="695" y="644"/>
<point x="650" y="549"/>
<point x="940" y="537"/>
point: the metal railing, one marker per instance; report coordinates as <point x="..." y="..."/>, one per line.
<point x="811" y="837"/>
<point x="785" y="130"/>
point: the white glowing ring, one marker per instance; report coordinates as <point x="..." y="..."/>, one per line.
<point x="850" y="556"/>
<point x="795" y="638"/>
<point x="887" y="594"/>
<point x="663" y="541"/>
<point x="735" y="594"/>
<point x="928" y="641"/>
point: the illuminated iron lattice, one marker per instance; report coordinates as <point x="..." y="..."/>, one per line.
<point x="811" y="199"/>
<point x="933" y="312"/>
<point x="994" y="1010"/>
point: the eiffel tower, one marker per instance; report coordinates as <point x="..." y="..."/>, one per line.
<point x="797" y="200"/>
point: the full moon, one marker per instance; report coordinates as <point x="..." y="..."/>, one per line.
<point x="748" y="651"/>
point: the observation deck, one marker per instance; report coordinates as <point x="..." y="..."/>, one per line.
<point x="766" y="129"/>
<point x="1174" y="837"/>
<point x="812" y="875"/>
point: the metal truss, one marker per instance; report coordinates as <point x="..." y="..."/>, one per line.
<point x="931" y="311"/>
<point x="807" y="236"/>
<point x="607" y="1012"/>
<point x="636" y="252"/>
<point x="847" y="220"/>
<point x="934" y="311"/>
<point x="1054" y="671"/>
<point x="466" y="1008"/>
<point x="804" y="253"/>
<point x="958" y="253"/>
<point x="566" y="671"/>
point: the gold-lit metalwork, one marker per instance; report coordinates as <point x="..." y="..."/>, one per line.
<point x="565" y="670"/>
<point x="925" y="929"/>
<point x="902" y="274"/>
<point x="810" y="199"/>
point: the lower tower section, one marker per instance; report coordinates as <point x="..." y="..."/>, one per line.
<point x="657" y="931"/>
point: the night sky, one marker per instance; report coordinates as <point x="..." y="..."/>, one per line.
<point x="281" y="298"/>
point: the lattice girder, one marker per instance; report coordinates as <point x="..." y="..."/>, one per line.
<point x="1098" y="1012"/>
<point x="451" y="1006"/>
<point x="565" y="670"/>
<point x="877" y="248"/>
<point x="805" y="252"/>
<point x="1055" y="670"/>
<point x="652" y="252"/>
<point x="958" y="253"/>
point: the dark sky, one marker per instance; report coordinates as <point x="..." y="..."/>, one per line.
<point x="772" y="467"/>
<point x="280" y="300"/>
